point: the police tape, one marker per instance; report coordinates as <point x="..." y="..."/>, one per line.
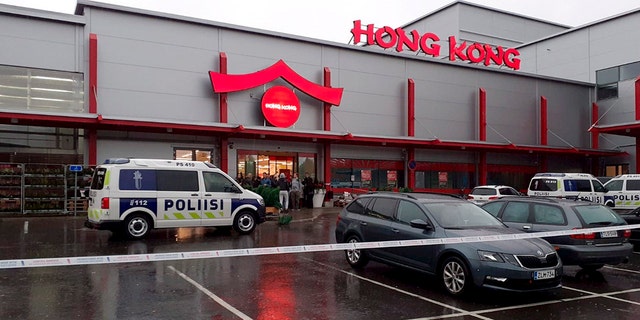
<point x="153" y="257"/>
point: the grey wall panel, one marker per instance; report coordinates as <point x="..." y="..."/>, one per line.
<point x="503" y="28"/>
<point x="133" y="52"/>
<point x="365" y="152"/>
<point x="131" y="148"/>
<point x="249" y="44"/>
<point x="568" y="113"/>
<point x="151" y="29"/>
<point x="445" y="156"/>
<point x="621" y="109"/>
<point x="40" y="44"/>
<point x="614" y="43"/>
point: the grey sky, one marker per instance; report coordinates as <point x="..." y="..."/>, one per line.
<point x="333" y="19"/>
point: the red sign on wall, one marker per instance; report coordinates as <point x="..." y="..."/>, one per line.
<point x="280" y="106"/>
<point x="387" y="37"/>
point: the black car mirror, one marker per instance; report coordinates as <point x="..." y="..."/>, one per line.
<point x="421" y="224"/>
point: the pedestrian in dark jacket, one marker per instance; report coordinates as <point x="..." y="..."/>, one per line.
<point x="284" y="186"/>
<point x="307" y="190"/>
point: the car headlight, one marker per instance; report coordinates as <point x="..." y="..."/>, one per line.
<point x="490" y="256"/>
<point x="261" y="201"/>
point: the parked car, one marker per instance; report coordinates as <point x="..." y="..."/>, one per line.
<point x="589" y="250"/>
<point x="484" y="194"/>
<point x="633" y="217"/>
<point x="514" y="265"/>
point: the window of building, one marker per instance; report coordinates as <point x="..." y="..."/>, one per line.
<point x="43" y="90"/>
<point x="629" y="71"/>
<point x="190" y="154"/>
<point x="366" y="174"/>
<point x="607" y="83"/>
<point x="613" y="170"/>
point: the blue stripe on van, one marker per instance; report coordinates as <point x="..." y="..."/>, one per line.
<point x="149" y="203"/>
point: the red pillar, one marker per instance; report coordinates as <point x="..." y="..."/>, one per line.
<point x="224" y="141"/>
<point x="327" y="127"/>
<point x="92" y="142"/>
<point x="544" y="131"/>
<point x="327" y="106"/>
<point x="482" y="134"/>
<point x="223" y="96"/>
<point x="544" y="125"/>
<point x="482" y="126"/>
<point x="411" y="108"/>
<point x="594" y="121"/>
<point x="637" y="91"/>
<point x="411" y="155"/>
<point x="411" y="130"/>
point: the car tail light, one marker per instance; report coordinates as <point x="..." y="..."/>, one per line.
<point x="627" y="233"/>
<point x="469" y="197"/>
<point x="583" y="236"/>
<point x="104" y="204"/>
<point x="493" y="198"/>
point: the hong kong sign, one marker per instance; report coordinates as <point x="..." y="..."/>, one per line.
<point x="387" y="37"/>
<point x="280" y="106"/>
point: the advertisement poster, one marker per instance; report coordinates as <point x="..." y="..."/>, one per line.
<point x="365" y="176"/>
<point x="442" y="179"/>
<point x="392" y="178"/>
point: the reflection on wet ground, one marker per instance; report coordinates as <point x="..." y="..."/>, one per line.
<point x="318" y="285"/>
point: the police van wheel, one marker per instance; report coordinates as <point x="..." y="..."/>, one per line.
<point x="244" y="223"/>
<point x="137" y="226"/>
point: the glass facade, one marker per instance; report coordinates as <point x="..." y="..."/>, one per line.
<point x="42" y="90"/>
<point x="252" y="164"/>
<point x="367" y="174"/>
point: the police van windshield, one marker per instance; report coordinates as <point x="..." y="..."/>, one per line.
<point x="97" y="182"/>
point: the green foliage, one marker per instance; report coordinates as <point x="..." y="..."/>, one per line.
<point x="270" y="196"/>
<point x="403" y="189"/>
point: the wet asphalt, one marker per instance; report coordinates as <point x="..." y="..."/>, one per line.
<point x="318" y="285"/>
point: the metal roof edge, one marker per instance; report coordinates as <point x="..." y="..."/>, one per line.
<point x="41" y="14"/>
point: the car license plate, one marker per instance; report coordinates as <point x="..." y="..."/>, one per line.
<point x="545" y="274"/>
<point x="608" y="234"/>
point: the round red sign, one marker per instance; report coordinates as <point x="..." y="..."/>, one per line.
<point x="280" y="106"/>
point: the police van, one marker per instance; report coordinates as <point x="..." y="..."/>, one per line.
<point x="132" y="196"/>
<point x="625" y="190"/>
<point x="569" y="185"/>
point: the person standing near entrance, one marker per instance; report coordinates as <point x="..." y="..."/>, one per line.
<point x="266" y="180"/>
<point x="296" y="192"/>
<point x="307" y="189"/>
<point x="283" y="196"/>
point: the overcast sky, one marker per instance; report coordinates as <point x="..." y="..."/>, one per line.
<point x="333" y="19"/>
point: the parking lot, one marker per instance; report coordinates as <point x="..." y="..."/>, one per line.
<point x="317" y="285"/>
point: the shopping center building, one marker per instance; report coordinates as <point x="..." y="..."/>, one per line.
<point x="463" y="96"/>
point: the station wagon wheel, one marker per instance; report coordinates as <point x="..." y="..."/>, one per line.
<point x="455" y="276"/>
<point x="244" y="222"/>
<point x="137" y="226"/>
<point x="355" y="257"/>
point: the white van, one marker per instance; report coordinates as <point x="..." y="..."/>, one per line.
<point x="625" y="190"/>
<point x="132" y="196"/>
<point x="569" y="185"/>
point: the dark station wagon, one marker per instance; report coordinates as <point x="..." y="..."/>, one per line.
<point x="514" y="265"/>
